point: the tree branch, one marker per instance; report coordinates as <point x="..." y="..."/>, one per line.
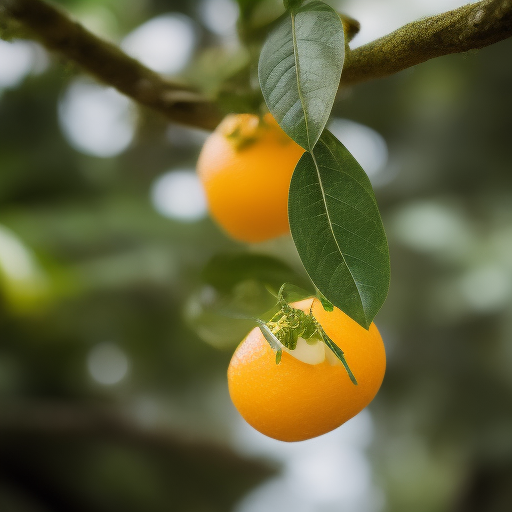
<point x="29" y="429"/>
<point x="470" y="27"/>
<point x="61" y="420"/>
<point x="466" y="28"/>
<point x="105" y="61"/>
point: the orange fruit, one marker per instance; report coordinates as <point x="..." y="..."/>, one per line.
<point x="246" y="166"/>
<point x="294" y="400"/>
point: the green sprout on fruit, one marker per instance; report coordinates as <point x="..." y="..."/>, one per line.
<point x="289" y="324"/>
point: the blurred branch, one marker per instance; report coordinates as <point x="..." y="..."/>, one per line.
<point x="350" y="26"/>
<point x="30" y="431"/>
<point x="466" y="28"/>
<point x="105" y="61"/>
<point x="60" y="420"/>
<point x="470" y="27"/>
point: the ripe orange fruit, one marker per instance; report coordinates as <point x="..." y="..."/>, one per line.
<point x="294" y="400"/>
<point x="246" y="166"/>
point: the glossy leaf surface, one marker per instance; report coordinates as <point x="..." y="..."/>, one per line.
<point x="299" y="70"/>
<point x="337" y="229"/>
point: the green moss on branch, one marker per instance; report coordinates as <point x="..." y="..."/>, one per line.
<point x="467" y="28"/>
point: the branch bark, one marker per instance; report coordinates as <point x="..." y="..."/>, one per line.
<point x="106" y="62"/>
<point x="470" y="27"/>
<point x="467" y="28"/>
<point x="61" y="420"/>
<point x="29" y="430"/>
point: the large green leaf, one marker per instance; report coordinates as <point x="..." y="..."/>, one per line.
<point x="336" y="226"/>
<point x="299" y="70"/>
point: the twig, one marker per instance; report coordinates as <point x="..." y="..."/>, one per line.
<point x="470" y="27"/>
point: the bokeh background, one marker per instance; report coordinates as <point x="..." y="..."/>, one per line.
<point x="113" y="393"/>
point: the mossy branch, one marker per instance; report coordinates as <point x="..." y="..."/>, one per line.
<point x="466" y="28"/>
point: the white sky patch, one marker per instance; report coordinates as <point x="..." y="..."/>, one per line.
<point x="220" y="16"/>
<point x="96" y="120"/>
<point x="330" y="472"/>
<point x="165" y="43"/>
<point x="179" y="195"/>
<point x="107" y="363"/>
<point x="367" y="146"/>
<point x="18" y="59"/>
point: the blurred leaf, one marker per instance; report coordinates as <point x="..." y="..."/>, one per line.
<point x="23" y="282"/>
<point x="247" y="5"/>
<point x="10" y="28"/>
<point x="256" y="17"/>
<point x="337" y="229"/>
<point x="217" y="330"/>
<point x="266" y="12"/>
<point x="240" y="287"/>
<point x="222" y="319"/>
<point x="292" y="293"/>
<point x="214" y="66"/>
<point x="224" y="271"/>
<point x="300" y="68"/>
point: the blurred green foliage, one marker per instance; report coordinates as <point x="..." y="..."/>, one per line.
<point x="101" y="265"/>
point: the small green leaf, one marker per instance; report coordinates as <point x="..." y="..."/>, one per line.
<point x="337" y="229"/>
<point x="326" y="304"/>
<point x="279" y="354"/>
<point x="208" y="318"/>
<point x="339" y="354"/>
<point x="267" y="333"/>
<point x="300" y="68"/>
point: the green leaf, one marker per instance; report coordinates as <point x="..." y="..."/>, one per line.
<point x="238" y="288"/>
<point x="326" y="304"/>
<point x="274" y="343"/>
<point x="218" y="320"/>
<point x="224" y="271"/>
<point x="337" y="229"/>
<point x="300" y="68"/>
<point x="339" y="354"/>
